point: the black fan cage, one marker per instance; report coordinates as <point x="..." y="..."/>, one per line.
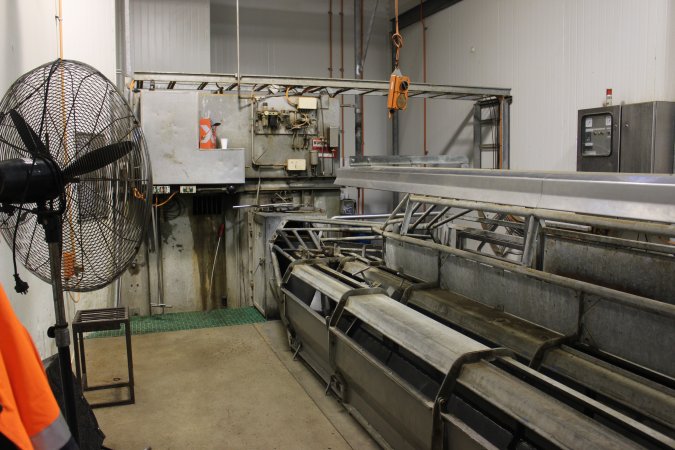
<point x="74" y="109"/>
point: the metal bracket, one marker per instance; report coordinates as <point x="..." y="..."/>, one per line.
<point x="410" y="209"/>
<point x="369" y="264"/>
<point x="532" y="238"/>
<point x="449" y="383"/>
<point x="538" y="357"/>
<point x="417" y="287"/>
<point x="297" y="350"/>
<point x="337" y="380"/>
<point x="311" y="261"/>
<point x="337" y="313"/>
<point x="345" y="260"/>
<point x="331" y="324"/>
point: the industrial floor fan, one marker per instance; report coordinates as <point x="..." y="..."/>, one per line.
<point x="75" y="187"/>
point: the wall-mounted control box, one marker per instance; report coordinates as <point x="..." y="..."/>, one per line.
<point x="636" y="138"/>
<point x="296" y="165"/>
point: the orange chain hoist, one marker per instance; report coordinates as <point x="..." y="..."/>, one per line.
<point x="397" y="100"/>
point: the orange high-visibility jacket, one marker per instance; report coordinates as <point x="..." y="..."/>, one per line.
<point x="29" y="414"/>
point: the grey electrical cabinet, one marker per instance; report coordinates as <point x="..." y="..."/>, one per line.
<point x="636" y="138"/>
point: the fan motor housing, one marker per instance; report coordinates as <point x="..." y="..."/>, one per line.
<point x="23" y="180"/>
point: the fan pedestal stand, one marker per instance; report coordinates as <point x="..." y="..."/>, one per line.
<point x="51" y="222"/>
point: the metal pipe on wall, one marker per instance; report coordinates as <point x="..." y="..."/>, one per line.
<point x="330" y="38"/>
<point x="424" y="75"/>
<point x="358" y="74"/>
<point x="123" y="42"/>
<point x="128" y="66"/>
<point x="119" y="45"/>
<point x="238" y="60"/>
<point x="342" y="75"/>
<point x="358" y="101"/>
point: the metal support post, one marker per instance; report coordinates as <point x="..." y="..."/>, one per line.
<point x="506" y="131"/>
<point x="51" y="222"/>
<point x="477" y="135"/>
<point x="531" y="241"/>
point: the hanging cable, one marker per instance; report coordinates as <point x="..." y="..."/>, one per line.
<point x="165" y="201"/>
<point x="396" y="38"/>
<point x="288" y="98"/>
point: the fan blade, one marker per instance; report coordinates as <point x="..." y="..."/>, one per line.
<point x="30" y="139"/>
<point x="97" y="159"/>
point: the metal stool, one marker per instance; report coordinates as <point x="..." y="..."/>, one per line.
<point x="101" y="320"/>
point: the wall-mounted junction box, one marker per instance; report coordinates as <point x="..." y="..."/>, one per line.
<point x="636" y="138"/>
<point x="296" y="165"/>
<point x="308" y="102"/>
<point x="333" y="137"/>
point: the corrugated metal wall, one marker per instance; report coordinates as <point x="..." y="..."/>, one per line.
<point x="28" y="38"/>
<point x="557" y="57"/>
<point x="170" y="35"/>
<point x="276" y="38"/>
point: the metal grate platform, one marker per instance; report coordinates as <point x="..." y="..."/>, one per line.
<point x="187" y="321"/>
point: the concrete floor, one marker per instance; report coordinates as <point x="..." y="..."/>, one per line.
<point x="232" y="387"/>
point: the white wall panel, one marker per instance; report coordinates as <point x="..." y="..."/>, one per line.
<point x="669" y="86"/>
<point x="557" y="57"/>
<point x="28" y="38"/>
<point x="89" y="34"/>
<point x="170" y="35"/>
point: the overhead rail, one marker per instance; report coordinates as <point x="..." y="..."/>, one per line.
<point x="268" y="84"/>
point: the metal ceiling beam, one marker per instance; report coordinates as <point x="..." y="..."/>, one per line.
<point x="413" y="15"/>
<point x="334" y="86"/>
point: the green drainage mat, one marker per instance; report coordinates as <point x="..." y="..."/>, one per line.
<point x="186" y="321"/>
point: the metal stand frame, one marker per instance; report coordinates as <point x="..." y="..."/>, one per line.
<point x="99" y="320"/>
<point x="51" y="222"/>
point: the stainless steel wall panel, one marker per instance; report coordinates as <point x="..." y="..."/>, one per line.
<point x="648" y="137"/>
<point x="386" y="401"/>
<point x="311" y="332"/>
<point x="644" y="338"/>
<point x="637" y="128"/>
<point x="418" y="262"/>
<point x="579" y="256"/>
<point x="545" y="304"/>
<point x="664" y="140"/>
<point x="170" y="124"/>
